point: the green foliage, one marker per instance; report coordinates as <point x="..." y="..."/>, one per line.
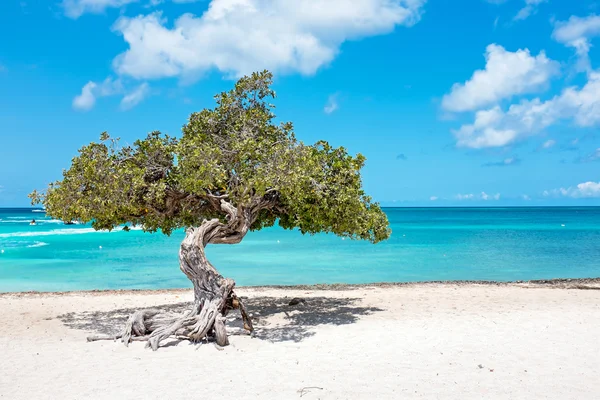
<point x="234" y="153"/>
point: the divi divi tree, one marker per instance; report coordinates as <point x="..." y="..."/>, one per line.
<point x="233" y="170"/>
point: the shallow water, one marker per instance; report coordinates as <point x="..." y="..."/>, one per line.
<point x="426" y="244"/>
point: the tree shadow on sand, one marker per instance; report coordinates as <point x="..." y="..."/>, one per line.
<point x="274" y="320"/>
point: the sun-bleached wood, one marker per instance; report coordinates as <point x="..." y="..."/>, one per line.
<point x="213" y="294"/>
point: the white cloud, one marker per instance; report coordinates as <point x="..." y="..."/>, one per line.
<point x="135" y="97"/>
<point x="529" y="9"/>
<point x="237" y="37"/>
<point x="506" y="74"/>
<point x="92" y="90"/>
<point x="577" y="32"/>
<point x="86" y="100"/>
<point x="526" y="197"/>
<point x="549" y="143"/>
<point x="76" y="8"/>
<point x="465" y="196"/>
<point x="497" y="128"/>
<point x="481" y="196"/>
<point x="433" y="198"/>
<point x="583" y="190"/>
<point x="485" y="196"/>
<point x="332" y="104"/>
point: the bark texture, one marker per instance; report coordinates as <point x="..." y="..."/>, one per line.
<point x="213" y="294"/>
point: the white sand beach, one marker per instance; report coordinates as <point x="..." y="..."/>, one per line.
<point x="450" y="341"/>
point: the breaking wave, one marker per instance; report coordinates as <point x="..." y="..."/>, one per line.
<point x="20" y="220"/>
<point x="55" y="232"/>
<point x="38" y="244"/>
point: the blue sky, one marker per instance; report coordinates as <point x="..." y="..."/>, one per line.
<point x="453" y="103"/>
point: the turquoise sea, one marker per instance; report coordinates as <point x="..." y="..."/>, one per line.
<point x="426" y="244"/>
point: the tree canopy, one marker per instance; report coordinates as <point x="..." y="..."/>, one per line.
<point x="231" y="162"/>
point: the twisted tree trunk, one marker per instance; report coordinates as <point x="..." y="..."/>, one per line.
<point x="213" y="294"/>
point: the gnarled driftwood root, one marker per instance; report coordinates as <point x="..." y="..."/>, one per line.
<point x="213" y="294"/>
<point x="154" y="326"/>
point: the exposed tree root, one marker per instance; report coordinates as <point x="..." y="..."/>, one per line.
<point x="213" y="297"/>
<point x="200" y="323"/>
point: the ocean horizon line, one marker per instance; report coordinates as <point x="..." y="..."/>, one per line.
<point x="396" y="207"/>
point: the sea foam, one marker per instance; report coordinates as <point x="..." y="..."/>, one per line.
<point x="17" y="220"/>
<point x="38" y="244"/>
<point x="55" y="232"/>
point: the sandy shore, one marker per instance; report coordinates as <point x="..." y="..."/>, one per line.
<point x="450" y="341"/>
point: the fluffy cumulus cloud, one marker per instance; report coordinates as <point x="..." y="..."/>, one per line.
<point x="506" y="74"/>
<point x="583" y="190"/>
<point x="496" y="128"/>
<point x="481" y="196"/>
<point x="240" y="36"/>
<point x="76" y="8"/>
<point x="237" y="37"/>
<point x="91" y="91"/>
<point x="577" y="32"/>
<point x="529" y="9"/>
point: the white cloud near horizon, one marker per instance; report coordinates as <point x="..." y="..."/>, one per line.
<point x="577" y="33"/>
<point x="481" y="196"/>
<point x="237" y="37"/>
<point x="583" y="190"/>
<point x="529" y="9"/>
<point x="506" y="74"/>
<point x="495" y="127"/>
<point x="86" y="100"/>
